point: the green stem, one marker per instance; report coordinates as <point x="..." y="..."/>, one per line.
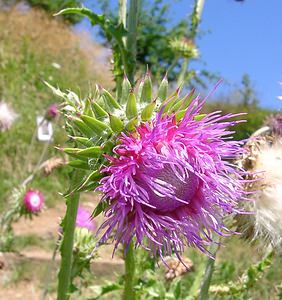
<point x="196" y="19"/>
<point x="68" y="226"/>
<point x="133" y="16"/>
<point x="183" y="71"/>
<point x="122" y="12"/>
<point x="173" y="64"/>
<point x="129" y="293"/>
<point x="199" y="8"/>
<point x="204" y="291"/>
<point x="195" y="288"/>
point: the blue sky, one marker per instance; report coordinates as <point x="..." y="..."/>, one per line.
<point x="244" y="37"/>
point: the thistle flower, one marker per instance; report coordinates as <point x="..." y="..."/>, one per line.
<point x="33" y="201"/>
<point x="7" y="116"/>
<point x="52" y="111"/>
<point x="169" y="182"/>
<point x="164" y="169"/>
<point x="84" y="220"/>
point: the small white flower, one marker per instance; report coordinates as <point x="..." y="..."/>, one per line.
<point x="7" y="116"/>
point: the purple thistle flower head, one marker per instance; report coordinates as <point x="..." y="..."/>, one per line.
<point x="170" y="183"/>
<point x="33" y="201"/>
<point x="52" y="111"/>
<point x="84" y="220"/>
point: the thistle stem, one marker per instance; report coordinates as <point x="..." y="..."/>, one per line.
<point x="122" y="12"/>
<point x="132" y="23"/>
<point x="196" y="19"/>
<point x="204" y="291"/>
<point x="129" y="293"/>
<point x="195" y="288"/>
<point x="182" y="74"/>
<point x="68" y="225"/>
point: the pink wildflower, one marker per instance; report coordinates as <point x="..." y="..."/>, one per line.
<point x="171" y="182"/>
<point x="33" y="201"/>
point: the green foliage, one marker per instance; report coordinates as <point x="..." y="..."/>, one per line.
<point x="247" y="92"/>
<point x="106" y="288"/>
<point x="11" y="214"/>
<point x="247" y="281"/>
<point x="149" y="284"/>
<point x="156" y="38"/>
<point x="114" y="33"/>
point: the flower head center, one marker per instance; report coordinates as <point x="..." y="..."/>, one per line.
<point x="35" y="200"/>
<point x="171" y="188"/>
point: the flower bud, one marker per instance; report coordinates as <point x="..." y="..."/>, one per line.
<point x="185" y="48"/>
<point x="52" y="111"/>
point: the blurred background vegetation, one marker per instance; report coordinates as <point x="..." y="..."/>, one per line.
<point x="35" y="46"/>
